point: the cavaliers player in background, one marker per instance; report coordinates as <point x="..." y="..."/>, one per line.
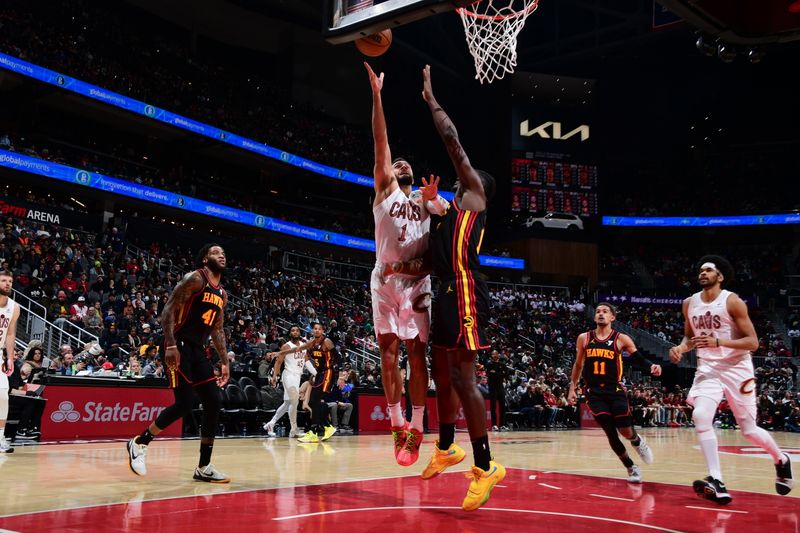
<point x="9" y="313"/>
<point x="400" y="304"/>
<point x="290" y="368"/>
<point x="599" y="361"/>
<point x="717" y="325"/>
<point x="194" y="311"/>
<point x="322" y="356"/>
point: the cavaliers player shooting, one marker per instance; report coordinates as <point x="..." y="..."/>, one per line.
<point x="400" y="309"/>
<point x="193" y="314"/>
<point x="599" y="362"/>
<point x="718" y="326"/>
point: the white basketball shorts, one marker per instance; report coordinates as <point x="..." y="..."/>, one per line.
<point x="401" y="305"/>
<point x="736" y="381"/>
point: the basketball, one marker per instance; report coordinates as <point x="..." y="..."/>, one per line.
<point x="376" y="44"/>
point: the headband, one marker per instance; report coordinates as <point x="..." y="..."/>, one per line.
<point x="710" y="265"/>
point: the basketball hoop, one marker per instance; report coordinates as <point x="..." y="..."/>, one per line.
<point x="492" y="32"/>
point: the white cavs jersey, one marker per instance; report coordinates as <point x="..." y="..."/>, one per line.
<point x="713" y="320"/>
<point x="293" y="362"/>
<point x="6" y="314"/>
<point x="401" y="227"/>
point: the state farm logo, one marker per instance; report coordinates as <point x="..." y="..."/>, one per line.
<point x="99" y="412"/>
<point x="378" y="414"/>
<point x="66" y="411"/>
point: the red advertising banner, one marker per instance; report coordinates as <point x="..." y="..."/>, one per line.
<point x="587" y="420"/>
<point x="373" y="415"/>
<point x="103" y="412"/>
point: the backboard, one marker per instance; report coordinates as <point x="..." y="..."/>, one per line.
<point x="348" y="20"/>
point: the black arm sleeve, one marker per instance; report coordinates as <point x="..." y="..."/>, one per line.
<point x="640" y="361"/>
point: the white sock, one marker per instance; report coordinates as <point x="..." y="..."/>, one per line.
<point x="708" y="444"/>
<point x="396" y="415"/>
<point x="417" y="416"/>
<point x="761" y="438"/>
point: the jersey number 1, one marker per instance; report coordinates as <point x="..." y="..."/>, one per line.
<point x="209" y="316"/>
<point x="600" y="368"/>
<point x="402" y="236"/>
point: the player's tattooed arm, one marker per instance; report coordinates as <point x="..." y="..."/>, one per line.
<point x="218" y="340"/>
<point x="218" y="334"/>
<point x="467" y="175"/>
<point x="189" y="285"/>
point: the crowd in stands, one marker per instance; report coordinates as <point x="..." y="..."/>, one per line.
<point x="142" y="57"/>
<point x="748" y="169"/>
<point x="118" y="292"/>
<point x="760" y="269"/>
<point x="211" y="184"/>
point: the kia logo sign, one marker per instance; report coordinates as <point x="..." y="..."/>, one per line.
<point x="552" y="130"/>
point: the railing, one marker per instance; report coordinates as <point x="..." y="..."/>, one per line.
<point x="654" y="344"/>
<point x="552" y="289"/>
<point x="165" y="265"/>
<point x="53" y="336"/>
<point x="24" y="301"/>
<point x="322" y="267"/>
<point x="30" y="325"/>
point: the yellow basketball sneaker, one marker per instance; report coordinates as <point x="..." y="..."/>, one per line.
<point x="329" y="431"/>
<point x="483" y="481"/>
<point x="309" y="438"/>
<point x="442" y="459"/>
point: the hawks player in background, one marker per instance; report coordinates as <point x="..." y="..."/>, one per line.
<point x="322" y="356"/>
<point x="9" y="313"/>
<point x="717" y="325"/>
<point x="599" y="362"/>
<point x="400" y="304"/>
<point x="194" y="311"/>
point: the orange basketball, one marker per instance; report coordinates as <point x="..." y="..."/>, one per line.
<point x="376" y="44"/>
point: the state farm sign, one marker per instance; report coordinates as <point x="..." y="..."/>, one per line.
<point x="98" y="412"/>
<point x="102" y="412"/>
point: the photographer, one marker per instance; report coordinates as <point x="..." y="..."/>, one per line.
<point x="27" y="405"/>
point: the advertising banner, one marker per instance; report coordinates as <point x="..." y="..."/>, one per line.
<point x="373" y="415"/>
<point x="103" y="412"/>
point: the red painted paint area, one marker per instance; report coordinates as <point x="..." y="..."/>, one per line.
<point x="550" y="501"/>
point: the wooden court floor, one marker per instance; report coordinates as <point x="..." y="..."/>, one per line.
<point x="559" y="481"/>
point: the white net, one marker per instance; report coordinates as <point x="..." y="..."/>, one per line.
<point x="492" y="27"/>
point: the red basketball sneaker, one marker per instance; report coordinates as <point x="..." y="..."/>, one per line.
<point x="410" y="452"/>
<point x="399" y="434"/>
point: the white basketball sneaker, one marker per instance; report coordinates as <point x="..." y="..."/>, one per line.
<point x="644" y="451"/>
<point x="136" y="457"/>
<point x="210" y="474"/>
<point x="5" y="447"/>
<point x="634" y="476"/>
